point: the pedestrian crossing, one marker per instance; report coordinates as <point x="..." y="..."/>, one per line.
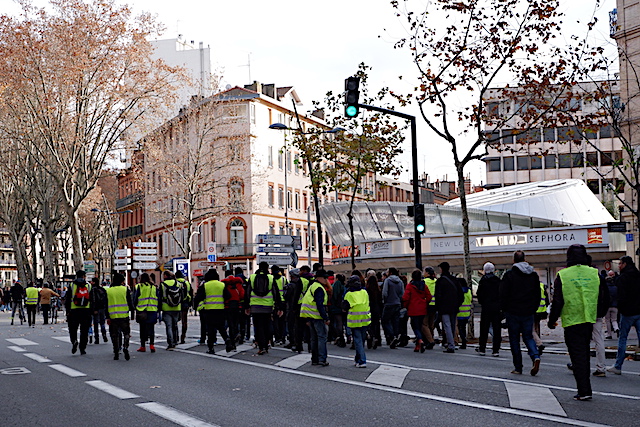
<point x="389" y="376"/>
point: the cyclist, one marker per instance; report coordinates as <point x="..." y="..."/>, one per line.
<point x="46" y="295"/>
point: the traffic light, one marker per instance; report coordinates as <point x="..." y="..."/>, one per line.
<point x="419" y="219"/>
<point x="352" y="94"/>
<point x="410" y="211"/>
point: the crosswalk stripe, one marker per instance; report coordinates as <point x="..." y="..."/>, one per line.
<point x="388" y="375"/>
<point x="112" y="390"/>
<point x="37" y="357"/>
<point x="63" y="339"/>
<point x="239" y="349"/>
<point x="174" y="415"/>
<point x="294" y="362"/>
<point x="188" y="345"/>
<point x="21" y="341"/>
<point x="68" y="371"/>
<point x="534" y="398"/>
<point x="16" y="349"/>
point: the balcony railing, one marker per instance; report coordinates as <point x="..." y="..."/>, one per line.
<point x="128" y="200"/>
<point x="225" y="251"/>
<point x="131" y="231"/>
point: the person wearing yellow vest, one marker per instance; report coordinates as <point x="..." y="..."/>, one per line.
<point x="147" y="303"/>
<point x="170" y="313"/>
<point x="79" y="314"/>
<point x="119" y="305"/>
<point x="356" y="304"/>
<point x="186" y="303"/>
<point x="575" y="299"/>
<point x="261" y="305"/>
<point x="212" y="296"/>
<point x="464" y="313"/>
<point x="293" y="297"/>
<point x="541" y="314"/>
<point x="313" y="310"/>
<point x="31" y="302"/>
<point x="279" y="321"/>
<point x="429" y="321"/>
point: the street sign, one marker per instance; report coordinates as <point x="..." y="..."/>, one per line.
<point x="144" y="265"/>
<point x="145" y="257"/>
<point x="145" y="244"/>
<point x="145" y="251"/>
<point x="275" y="239"/>
<point x="122" y="267"/>
<point x="275" y="250"/>
<point x="617" y="227"/>
<point x="211" y="252"/>
<point x="629" y="237"/>
<point x="297" y="243"/>
<point x="122" y="252"/>
<point x="121" y="261"/>
<point x="181" y="265"/>
<point x="279" y="260"/>
<point x="89" y="267"/>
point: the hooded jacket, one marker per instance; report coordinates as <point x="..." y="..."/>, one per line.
<point x="520" y="290"/>
<point x="416" y="298"/>
<point x="629" y="291"/>
<point x="448" y="294"/>
<point x="489" y="292"/>
<point x="392" y="290"/>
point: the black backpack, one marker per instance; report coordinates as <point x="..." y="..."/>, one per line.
<point x="261" y="285"/>
<point x="173" y="295"/>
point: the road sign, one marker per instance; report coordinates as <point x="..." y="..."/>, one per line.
<point x="122" y="252"/>
<point x="89" y="267"/>
<point x="279" y="260"/>
<point x="181" y="265"/>
<point x="121" y="261"/>
<point x="297" y="243"/>
<point x="275" y="239"/>
<point x="122" y="267"/>
<point x="145" y="257"/>
<point x="145" y="244"/>
<point x="275" y="250"/>
<point x="211" y="252"/>
<point x="144" y="265"/>
<point x="145" y="251"/>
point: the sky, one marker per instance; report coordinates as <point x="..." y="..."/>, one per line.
<point x="314" y="46"/>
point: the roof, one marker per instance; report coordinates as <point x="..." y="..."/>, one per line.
<point x="564" y="200"/>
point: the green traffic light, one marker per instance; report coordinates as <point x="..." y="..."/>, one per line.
<point x="352" y="111"/>
<point x="420" y="228"/>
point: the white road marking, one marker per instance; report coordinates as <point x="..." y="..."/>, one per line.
<point x="188" y="345"/>
<point x="68" y="371"/>
<point x="294" y="362"/>
<point x="532" y="398"/>
<point x="37" y="357"/>
<point x="112" y="390"/>
<point x="21" y="341"/>
<point x="63" y="339"/>
<point x="174" y="415"/>
<point x="493" y="408"/>
<point x="239" y="349"/>
<point x="389" y="376"/>
<point x="16" y="348"/>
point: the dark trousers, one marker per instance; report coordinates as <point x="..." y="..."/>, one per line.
<point x="233" y="319"/>
<point x="262" y="326"/>
<point x="79" y="317"/>
<point x="99" y="319"/>
<point x="245" y="326"/>
<point x="183" y="318"/>
<point x="336" y="327"/>
<point x="518" y="325"/>
<point x="374" y="328"/>
<point x="147" y="333"/>
<point x="391" y="322"/>
<point x="490" y="318"/>
<point x="577" y="339"/>
<point x="120" y="332"/>
<point x="31" y="313"/>
<point x="45" y="312"/>
<point x="279" y="327"/>
<point x="215" y="323"/>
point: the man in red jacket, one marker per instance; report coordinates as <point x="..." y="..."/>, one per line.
<point x="232" y="306"/>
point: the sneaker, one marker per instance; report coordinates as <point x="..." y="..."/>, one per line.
<point x="74" y="347"/>
<point x="541" y="348"/>
<point x="495" y="354"/>
<point x="449" y="350"/>
<point x="599" y="374"/>
<point x="360" y="365"/>
<point x="104" y="338"/>
<point x="142" y="349"/>
<point x="480" y="352"/>
<point x="614" y="370"/>
<point x="394" y="343"/>
<point x="578" y="397"/>
<point x="515" y="371"/>
<point x="116" y="356"/>
<point x="91" y="339"/>
<point x="152" y="348"/>
<point x="536" y="367"/>
<point x="325" y="363"/>
<point x="97" y="340"/>
<point x="570" y="366"/>
<point x="169" y="348"/>
<point x="211" y="351"/>
<point x="126" y="354"/>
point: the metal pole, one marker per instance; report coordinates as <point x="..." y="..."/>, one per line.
<point x="309" y="233"/>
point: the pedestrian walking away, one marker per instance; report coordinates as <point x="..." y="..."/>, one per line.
<point x="185" y="305"/>
<point x="464" y="313"/>
<point x="98" y="297"/>
<point x="392" y="291"/>
<point x="78" y="308"/>
<point x="415" y="299"/>
<point x="213" y="294"/>
<point x="429" y="322"/>
<point x="491" y="315"/>
<point x="520" y="299"/>
<point x="449" y="298"/>
<point x="261" y="299"/>
<point x="147" y="303"/>
<point x="313" y="310"/>
<point x="45" y="301"/>
<point x="356" y="304"/>
<point x="171" y="294"/>
<point x="119" y="307"/>
<point x="611" y="318"/>
<point x="31" y="302"/>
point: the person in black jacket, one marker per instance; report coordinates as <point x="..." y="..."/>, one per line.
<point x="628" y="307"/>
<point x="449" y="297"/>
<point x="98" y="296"/>
<point x="519" y="300"/>
<point x="489" y="298"/>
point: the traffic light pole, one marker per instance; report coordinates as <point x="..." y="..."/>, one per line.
<point x="414" y="167"/>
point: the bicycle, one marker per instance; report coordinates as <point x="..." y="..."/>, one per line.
<point x="54" y="310"/>
<point x="20" y="309"/>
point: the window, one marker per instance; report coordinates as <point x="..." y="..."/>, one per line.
<point x="523" y="163"/>
<point x="213" y="231"/>
<point x="289" y="162"/>
<point x="252" y="112"/>
<point x="550" y="161"/>
<point x="590" y="133"/>
<point x="594" y="186"/>
<point x="270" y="156"/>
<point x="529" y="137"/>
<point x="236" y="232"/>
<point x="606" y="132"/>
<point x="592" y="159"/>
<point x="296" y="163"/>
<point x="280" y="159"/>
<point x="564" y="160"/>
<point x="508" y="163"/>
<point x="289" y="199"/>
<point x="493" y="109"/>
<point x="536" y="162"/>
<point x="297" y="201"/>
<point x="507" y="136"/>
<point x="577" y="160"/>
<point x="270" y="196"/>
<point x="272" y="228"/>
<point x="281" y="198"/>
<point x="564" y="133"/>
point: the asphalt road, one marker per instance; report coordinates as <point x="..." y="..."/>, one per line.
<point x="42" y="383"/>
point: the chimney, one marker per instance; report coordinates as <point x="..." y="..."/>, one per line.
<point x="255" y="86"/>
<point x="269" y="90"/>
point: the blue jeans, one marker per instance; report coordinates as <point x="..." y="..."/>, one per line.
<point x="521" y="325"/>
<point x="170" y="319"/>
<point x="626" y="322"/>
<point x="318" y="341"/>
<point x="359" y="335"/>
<point x="391" y="321"/>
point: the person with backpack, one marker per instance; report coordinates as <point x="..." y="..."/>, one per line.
<point x="78" y="308"/>
<point x="279" y="327"/>
<point x="185" y="305"/>
<point x="212" y="295"/>
<point x="232" y="306"/>
<point x="119" y="305"/>
<point x="261" y="298"/>
<point x="98" y="296"/>
<point x="172" y="294"/>
<point x="147" y="303"/>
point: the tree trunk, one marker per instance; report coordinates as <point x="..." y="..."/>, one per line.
<point x="465" y="237"/>
<point x="316" y="204"/>
<point x="76" y="240"/>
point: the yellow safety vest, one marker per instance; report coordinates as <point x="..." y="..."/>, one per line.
<point x="280" y="284"/>
<point x="117" y="302"/>
<point x="148" y="299"/>
<point x="580" y="287"/>
<point x="165" y="306"/>
<point x="265" y="301"/>
<point x="73" y="292"/>
<point x="431" y="284"/>
<point x="187" y="289"/>
<point x="305" y="286"/>
<point x="542" y="308"/>
<point x="359" y="314"/>
<point x="213" y="295"/>
<point x="32" y="296"/>
<point x="309" y="307"/>
<point x="464" y="312"/>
